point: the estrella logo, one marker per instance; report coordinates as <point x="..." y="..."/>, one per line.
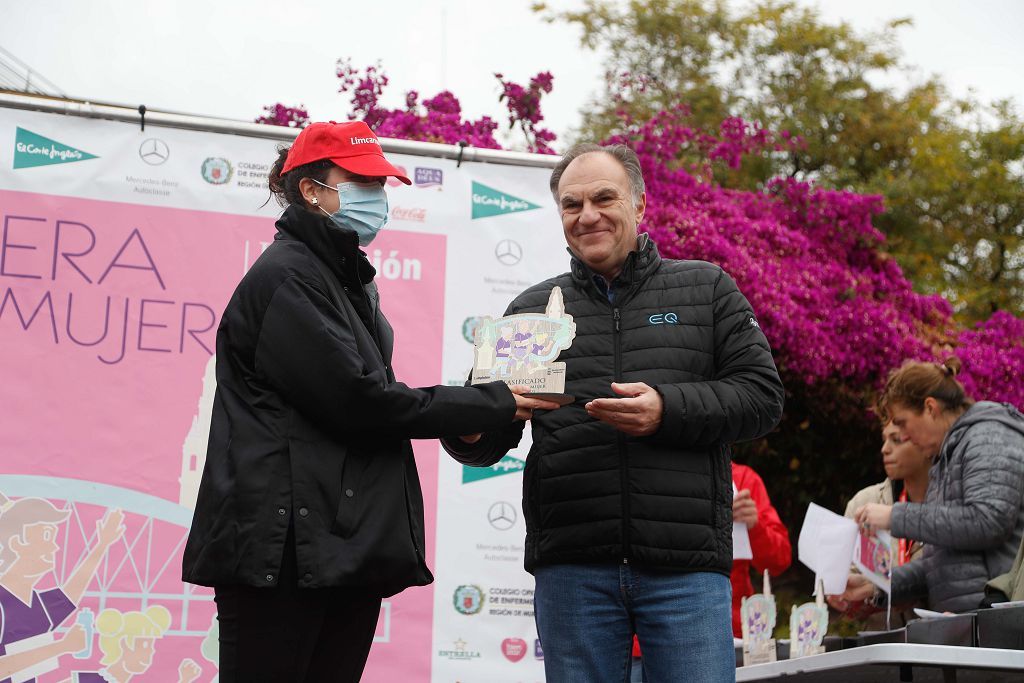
<point x="664" y="319"/>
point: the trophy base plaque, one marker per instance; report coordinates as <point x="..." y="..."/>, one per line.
<point x="560" y="399"/>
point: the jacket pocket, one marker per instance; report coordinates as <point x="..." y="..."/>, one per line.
<point x="350" y="501"/>
<point x="317" y="468"/>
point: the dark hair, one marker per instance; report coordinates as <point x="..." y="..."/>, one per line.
<point x="621" y="153"/>
<point x="286" y="188"/>
<point x="914" y="381"/>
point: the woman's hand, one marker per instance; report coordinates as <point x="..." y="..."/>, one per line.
<point x="853" y="600"/>
<point x="524" y="409"/>
<point x="526" y="405"/>
<point x="874" y="516"/>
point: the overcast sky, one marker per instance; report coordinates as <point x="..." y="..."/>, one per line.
<point x="229" y="58"/>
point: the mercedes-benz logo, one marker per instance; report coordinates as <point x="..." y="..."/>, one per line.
<point x="508" y="252"/>
<point x="502" y="515"/>
<point x="154" y="152"/>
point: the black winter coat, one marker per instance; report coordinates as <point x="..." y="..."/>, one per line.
<point x="310" y="428"/>
<point x="594" y="494"/>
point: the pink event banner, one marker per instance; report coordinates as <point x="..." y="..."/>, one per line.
<point x="108" y="316"/>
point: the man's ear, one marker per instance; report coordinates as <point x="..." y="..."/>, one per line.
<point x="641" y="207"/>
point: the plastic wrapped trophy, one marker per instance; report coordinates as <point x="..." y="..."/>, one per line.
<point x="807" y="626"/>
<point x="758" y="614"/>
<point x="521" y="349"/>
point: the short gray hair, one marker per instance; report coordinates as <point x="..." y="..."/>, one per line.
<point x="621" y="153"/>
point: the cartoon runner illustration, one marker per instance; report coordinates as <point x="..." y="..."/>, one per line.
<point x="522" y="345"/>
<point x="544" y="344"/>
<point x="28" y="533"/>
<point x="502" y="352"/>
<point x="127" y="641"/>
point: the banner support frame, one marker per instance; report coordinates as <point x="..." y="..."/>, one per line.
<point x="167" y="119"/>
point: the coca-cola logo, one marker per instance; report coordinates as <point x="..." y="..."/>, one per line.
<point x="401" y="213"/>
<point x="514" y="649"/>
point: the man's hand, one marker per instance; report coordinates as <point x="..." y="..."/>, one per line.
<point x="526" y="405"/>
<point x="874" y="516"/>
<point x="638" y="414"/>
<point x="744" y="509"/>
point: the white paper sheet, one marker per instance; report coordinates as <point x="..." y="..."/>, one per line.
<point x="740" y="538"/>
<point x="826" y="546"/>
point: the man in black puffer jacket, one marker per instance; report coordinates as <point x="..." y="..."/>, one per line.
<point x="627" y="492"/>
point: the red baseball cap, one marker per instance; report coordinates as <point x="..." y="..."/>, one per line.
<point x="350" y="145"/>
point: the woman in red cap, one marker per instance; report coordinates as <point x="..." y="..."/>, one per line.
<point x="310" y="509"/>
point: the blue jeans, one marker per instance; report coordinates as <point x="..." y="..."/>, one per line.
<point x="587" y="615"/>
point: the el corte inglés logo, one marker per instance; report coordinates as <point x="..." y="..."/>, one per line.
<point x="507" y="465"/>
<point x="490" y="202"/>
<point x="32" y="149"/>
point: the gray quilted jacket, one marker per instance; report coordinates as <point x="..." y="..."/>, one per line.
<point x="973" y="516"/>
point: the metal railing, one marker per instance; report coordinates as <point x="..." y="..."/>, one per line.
<point x="168" y="119"/>
<point x="18" y="76"/>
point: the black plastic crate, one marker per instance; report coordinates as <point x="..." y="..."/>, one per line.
<point x="1001" y="627"/>
<point x="958" y="629"/>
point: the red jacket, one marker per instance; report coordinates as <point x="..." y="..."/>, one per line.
<point x="769" y="541"/>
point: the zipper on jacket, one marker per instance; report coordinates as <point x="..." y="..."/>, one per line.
<point x="621" y="439"/>
<point x="373" y="306"/>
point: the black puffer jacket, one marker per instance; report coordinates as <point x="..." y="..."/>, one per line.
<point x="310" y="428"/>
<point x="593" y="494"/>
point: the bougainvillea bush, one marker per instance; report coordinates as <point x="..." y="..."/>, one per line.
<point x="836" y="307"/>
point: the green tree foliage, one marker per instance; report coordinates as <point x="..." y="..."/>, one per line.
<point x="952" y="172"/>
<point x="956" y="214"/>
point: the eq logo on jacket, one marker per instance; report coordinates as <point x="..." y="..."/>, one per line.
<point x="664" y="319"/>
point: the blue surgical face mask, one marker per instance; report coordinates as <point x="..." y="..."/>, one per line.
<point x="363" y="208"/>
